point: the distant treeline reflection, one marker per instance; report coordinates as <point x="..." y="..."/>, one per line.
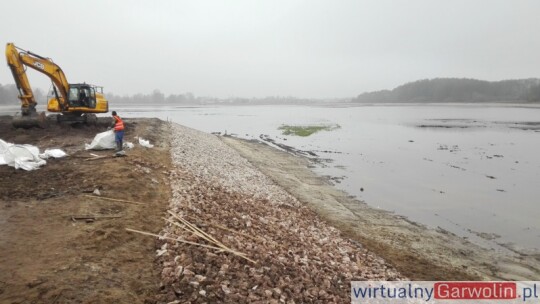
<point x="458" y="90"/>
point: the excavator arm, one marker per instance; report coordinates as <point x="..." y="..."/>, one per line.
<point x="28" y="102"/>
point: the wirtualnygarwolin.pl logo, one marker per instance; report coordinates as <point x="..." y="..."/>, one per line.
<point x="462" y="292"/>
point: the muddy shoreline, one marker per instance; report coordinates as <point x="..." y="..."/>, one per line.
<point x="416" y="251"/>
<point x="219" y="182"/>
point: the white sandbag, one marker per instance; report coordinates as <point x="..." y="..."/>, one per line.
<point x="33" y="149"/>
<point x="128" y="145"/>
<point x="102" y="141"/>
<point x="55" y="153"/>
<point x="145" y="143"/>
<point x="24" y="157"/>
<point x="3" y="148"/>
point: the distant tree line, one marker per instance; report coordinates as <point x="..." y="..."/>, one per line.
<point x="157" y="97"/>
<point x="9" y="95"/>
<point x="428" y="90"/>
<point x="458" y="90"/>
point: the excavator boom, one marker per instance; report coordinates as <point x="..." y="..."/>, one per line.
<point x="28" y="102"/>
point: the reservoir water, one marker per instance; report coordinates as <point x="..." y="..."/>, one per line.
<point x="471" y="170"/>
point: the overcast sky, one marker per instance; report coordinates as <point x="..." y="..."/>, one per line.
<point x="251" y="48"/>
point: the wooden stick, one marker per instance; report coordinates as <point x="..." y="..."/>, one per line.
<point x="206" y="236"/>
<point x="189" y="230"/>
<point x="235" y="231"/>
<point x="185" y="228"/>
<point x="188" y="242"/>
<point x="85" y="156"/>
<point x="194" y="232"/>
<point x="185" y="222"/>
<point x="197" y="233"/>
<point x="172" y="239"/>
<point x="92" y="155"/>
<point x="192" y="228"/>
<point x="195" y="228"/>
<point x="84" y="217"/>
<point x="225" y="248"/>
<point x="114" y="200"/>
<point x="97" y="157"/>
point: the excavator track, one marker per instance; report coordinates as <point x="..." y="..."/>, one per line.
<point x="41" y="120"/>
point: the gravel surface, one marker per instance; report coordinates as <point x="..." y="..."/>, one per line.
<point x="207" y="158"/>
<point x="295" y="257"/>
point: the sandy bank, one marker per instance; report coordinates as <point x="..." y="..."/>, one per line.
<point x="417" y="252"/>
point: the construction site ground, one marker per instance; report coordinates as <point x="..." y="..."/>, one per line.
<point x="47" y="255"/>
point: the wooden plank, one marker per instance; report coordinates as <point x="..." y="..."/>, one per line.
<point x="173" y="239"/>
<point x="114" y="199"/>
<point x="97" y="157"/>
<point x="92" y="217"/>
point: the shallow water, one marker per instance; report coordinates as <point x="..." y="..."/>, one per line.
<point x="468" y="169"/>
<point x="471" y="170"/>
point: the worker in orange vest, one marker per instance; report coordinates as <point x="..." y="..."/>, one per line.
<point x="118" y="127"/>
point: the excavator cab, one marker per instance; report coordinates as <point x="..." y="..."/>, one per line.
<point x="81" y="98"/>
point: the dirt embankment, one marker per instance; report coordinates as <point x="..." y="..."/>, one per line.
<point x="48" y="257"/>
<point x="417" y="252"/>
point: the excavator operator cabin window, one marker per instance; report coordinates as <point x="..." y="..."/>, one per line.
<point x="83" y="94"/>
<point x="73" y="94"/>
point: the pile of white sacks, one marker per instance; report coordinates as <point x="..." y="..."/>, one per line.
<point x="105" y="141"/>
<point x="26" y="157"/>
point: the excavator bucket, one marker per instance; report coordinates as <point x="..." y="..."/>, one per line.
<point x="31" y="120"/>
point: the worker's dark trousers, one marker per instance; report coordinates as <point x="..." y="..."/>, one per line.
<point x="119" y="138"/>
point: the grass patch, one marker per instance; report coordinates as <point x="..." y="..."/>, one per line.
<point x="306" y="130"/>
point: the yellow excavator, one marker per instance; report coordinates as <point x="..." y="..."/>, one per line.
<point x="76" y="103"/>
